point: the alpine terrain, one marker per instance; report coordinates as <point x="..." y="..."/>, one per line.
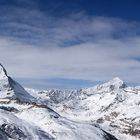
<point x="104" y="112"/>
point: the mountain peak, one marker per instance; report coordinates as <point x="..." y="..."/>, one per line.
<point x="10" y="88"/>
<point x="3" y="72"/>
<point x="116" y="83"/>
<point x="116" y="80"/>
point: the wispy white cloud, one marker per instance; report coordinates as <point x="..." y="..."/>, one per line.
<point x="88" y="61"/>
<point x="37" y="45"/>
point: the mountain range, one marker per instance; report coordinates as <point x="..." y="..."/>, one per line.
<point x="108" y="111"/>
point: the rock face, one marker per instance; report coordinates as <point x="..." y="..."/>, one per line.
<point x="4" y="80"/>
<point x="25" y="116"/>
<point x="10" y="89"/>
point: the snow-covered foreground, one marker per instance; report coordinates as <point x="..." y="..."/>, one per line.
<point x="95" y="113"/>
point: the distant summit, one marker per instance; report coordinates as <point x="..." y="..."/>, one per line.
<point x="116" y="83"/>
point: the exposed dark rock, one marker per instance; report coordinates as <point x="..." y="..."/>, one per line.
<point x="11" y="131"/>
<point x="10" y="109"/>
<point x="108" y="136"/>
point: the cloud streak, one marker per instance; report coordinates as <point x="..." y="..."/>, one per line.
<point x="41" y="46"/>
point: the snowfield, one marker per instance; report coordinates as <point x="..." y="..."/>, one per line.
<point x="104" y="112"/>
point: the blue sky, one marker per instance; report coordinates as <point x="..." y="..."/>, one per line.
<point x="70" y="44"/>
<point x="128" y="9"/>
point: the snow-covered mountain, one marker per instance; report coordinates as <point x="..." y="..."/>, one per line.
<point x="36" y="115"/>
<point x="10" y="89"/>
<point x="113" y="106"/>
<point x="109" y="111"/>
